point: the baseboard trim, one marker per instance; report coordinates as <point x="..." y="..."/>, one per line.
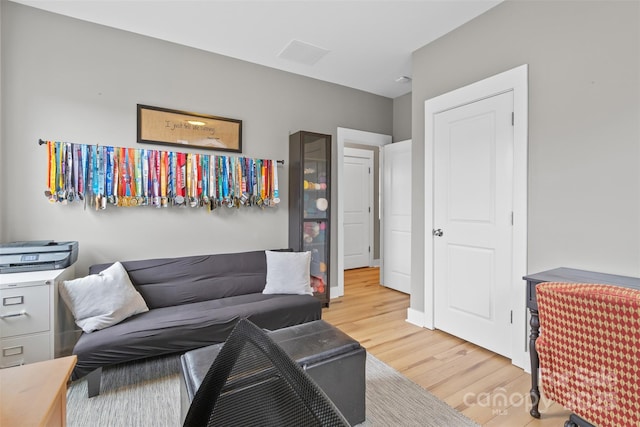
<point x="415" y="317"/>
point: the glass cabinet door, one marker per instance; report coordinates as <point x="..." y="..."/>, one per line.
<point x="315" y="184"/>
<point x="309" y="204"/>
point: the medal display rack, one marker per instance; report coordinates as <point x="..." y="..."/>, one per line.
<point x="99" y="176"/>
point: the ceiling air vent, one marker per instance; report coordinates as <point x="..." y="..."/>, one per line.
<point x="303" y="53"/>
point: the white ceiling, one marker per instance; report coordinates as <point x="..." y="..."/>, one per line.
<point x="369" y="43"/>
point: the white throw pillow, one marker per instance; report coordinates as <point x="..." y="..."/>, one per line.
<point x="102" y="300"/>
<point x="288" y="273"/>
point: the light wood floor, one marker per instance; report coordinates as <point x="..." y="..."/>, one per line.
<point x="484" y="386"/>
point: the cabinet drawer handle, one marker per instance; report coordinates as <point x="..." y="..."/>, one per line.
<point x="17" y="300"/>
<point x="18" y="314"/>
<point x="12" y="351"/>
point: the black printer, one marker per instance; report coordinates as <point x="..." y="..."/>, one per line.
<point x="37" y="255"/>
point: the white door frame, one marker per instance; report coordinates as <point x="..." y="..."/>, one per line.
<point x="364" y="154"/>
<point x="512" y="80"/>
<point x="356" y="137"/>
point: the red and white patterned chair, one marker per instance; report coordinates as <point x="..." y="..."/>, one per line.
<point x="589" y="349"/>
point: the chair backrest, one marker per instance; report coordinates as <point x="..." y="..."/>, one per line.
<point x="589" y="349"/>
<point x="253" y="382"/>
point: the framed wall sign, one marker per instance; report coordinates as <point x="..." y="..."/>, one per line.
<point x="163" y="126"/>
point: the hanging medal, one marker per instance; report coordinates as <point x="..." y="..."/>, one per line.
<point x="163" y="179"/>
<point x="50" y="193"/>
<point x="150" y="176"/>
<point x="221" y="181"/>
<point x="180" y="178"/>
<point x="75" y="169"/>
<point x="94" y="177"/>
<point x="189" y="181"/>
<point x="276" y="193"/>
<point x="225" y="180"/>
<point x="124" y="178"/>
<point x="82" y="167"/>
<point x="131" y="175"/>
<point x="171" y="167"/>
<point x="103" y="177"/>
<point x="144" y="164"/>
<point x="244" y="197"/>
<point x="258" y="184"/>
<point x="204" y="161"/>
<point x="88" y="198"/>
<point x="253" y="182"/>
<point x="109" y="176"/>
<point x="156" y="179"/>
<point x="212" y="181"/>
<point x="136" y="170"/>
<point x="68" y="178"/>
<point x="238" y="182"/>
<point x="237" y="178"/>
<point x="198" y="178"/>
<point x="131" y="183"/>
<point x="231" y="181"/>
<point x="263" y="187"/>
<point x="269" y="182"/>
<point x="60" y="171"/>
<point x="116" y="176"/>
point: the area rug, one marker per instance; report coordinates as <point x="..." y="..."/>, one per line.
<point x="147" y="393"/>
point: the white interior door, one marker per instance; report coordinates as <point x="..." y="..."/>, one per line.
<point x="396" y="216"/>
<point x="358" y="188"/>
<point x="473" y="208"/>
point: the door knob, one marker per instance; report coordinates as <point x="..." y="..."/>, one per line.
<point x="438" y="232"/>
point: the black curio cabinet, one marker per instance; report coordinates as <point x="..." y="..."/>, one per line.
<point x="309" y="204"/>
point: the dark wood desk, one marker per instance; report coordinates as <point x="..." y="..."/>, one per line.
<point x="560" y="275"/>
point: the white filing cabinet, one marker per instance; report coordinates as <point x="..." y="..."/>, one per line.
<point x="35" y="324"/>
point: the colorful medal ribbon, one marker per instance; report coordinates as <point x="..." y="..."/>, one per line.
<point x="276" y="193"/>
<point x="137" y="164"/>
<point x="101" y="175"/>
<point x="171" y="173"/>
<point x="116" y="176"/>
<point x="163" y="178"/>
<point x="131" y="172"/>
<point x="81" y="152"/>
<point x="156" y="178"/>
<point x="51" y="176"/>
<point x="144" y="161"/>
<point x="95" y="176"/>
<point x="68" y="177"/>
<point x="180" y="179"/>
<point x="109" y="175"/>
<point x="204" y="178"/>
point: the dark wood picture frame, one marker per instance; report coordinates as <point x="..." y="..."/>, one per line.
<point x="173" y="127"/>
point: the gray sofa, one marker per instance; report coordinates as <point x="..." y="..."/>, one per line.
<point x="193" y="302"/>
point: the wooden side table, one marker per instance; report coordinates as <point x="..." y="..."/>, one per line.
<point x="35" y="394"/>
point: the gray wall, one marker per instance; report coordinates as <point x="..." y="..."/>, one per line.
<point x="402" y="118"/>
<point x="584" y="127"/>
<point x="70" y="80"/>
